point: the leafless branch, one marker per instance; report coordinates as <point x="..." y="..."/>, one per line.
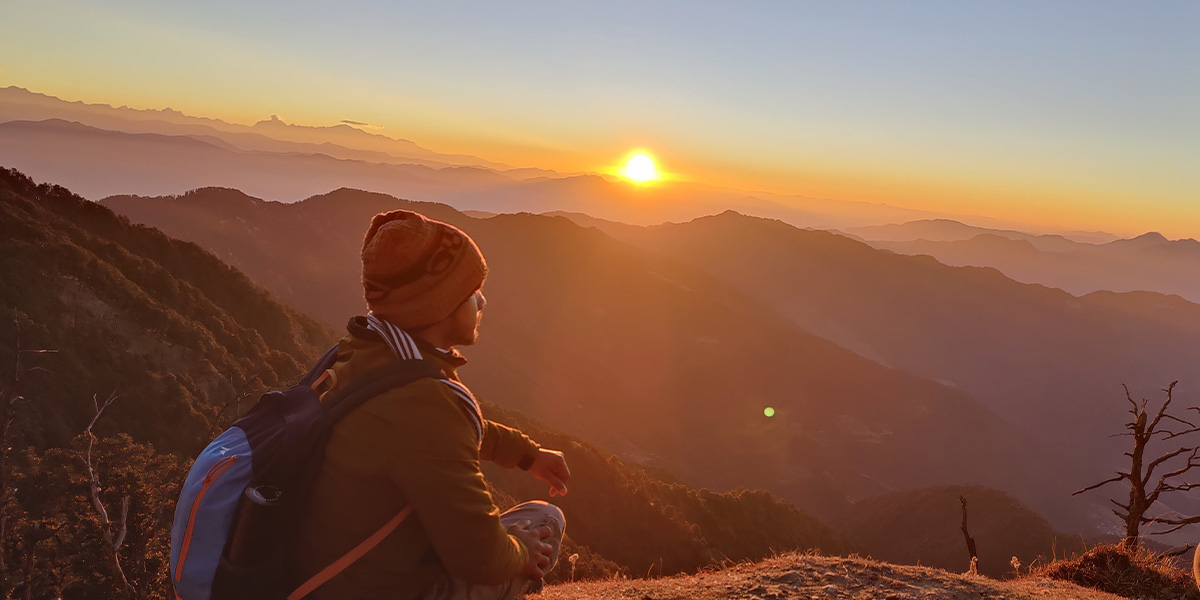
<point x="1113" y="479"/>
<point x="1179" y="420"/>
<point x="1162" y="459"/>
<point x="1162" y="410"/>
<point x="115" y="539"/>
<point x="120" y="537"/>
<point x="1177" y="527"/>
<point x="1183" y="487"/>
<point x="1178" y="521"/>
<point x="1128" y="397"/>
<point x="1180" y="433"/>
<point x="1144" y="430"/>
<point x="1163" y="482"/>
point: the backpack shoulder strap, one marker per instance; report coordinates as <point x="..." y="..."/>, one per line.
<point x="319" y="367"/>
<point x="375" y="382"/>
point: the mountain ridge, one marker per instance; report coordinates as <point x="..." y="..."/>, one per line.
<point x="1033" y="354"/>
<point x="649" y="317"/>
<point x="298" y="170"/>
<point x="21" y="96"/>
<point x="1147" y="262"/>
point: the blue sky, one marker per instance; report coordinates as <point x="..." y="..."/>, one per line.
<point x="1062" y="111"/>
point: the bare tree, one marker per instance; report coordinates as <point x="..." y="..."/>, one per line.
<point x="114" y="533"/>
<point x="974" y="569"/>
<point x="1144" y="489"/>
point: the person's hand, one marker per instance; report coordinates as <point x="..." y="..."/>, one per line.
<point x="539" y="551"/>
<point x="550" y="466"/>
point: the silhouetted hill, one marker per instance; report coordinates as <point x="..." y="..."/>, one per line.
<point x="185" y="339"/>
<point x="1149" y="262"/>
<point x="948" y="230"/>
<point x="653" y="359"/>
<point x="342" y="141"/>
<point x="1146" y="240"/>
<point x="1049" y="361"/>
<point x="98" y="162"/>
<point x="923" y="527"/>
<point x="1170" y="311"/>
<point x="618" y="200"/>
<point x="293" y="161"/>
<point x="270" y="234"/>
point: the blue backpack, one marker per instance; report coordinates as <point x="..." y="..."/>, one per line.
<point x="242" y="495"/>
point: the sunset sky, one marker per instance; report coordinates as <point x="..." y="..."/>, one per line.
<point x="1079" y="114"/>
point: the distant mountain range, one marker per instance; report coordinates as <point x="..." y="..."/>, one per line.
<point x="101" y="162"/>
<point x="1080" y="265"/>
<point x="947" y="230"/>
<point x="640" y="353"/>
<point x="99" y="150"/>
<point x="270" y="135"/>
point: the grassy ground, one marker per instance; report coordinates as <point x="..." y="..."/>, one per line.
<point x="808" y="576"/>
<point x="1132" y="574"/>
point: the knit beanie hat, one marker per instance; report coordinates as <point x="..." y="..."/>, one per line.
<point x="416" y="271"/>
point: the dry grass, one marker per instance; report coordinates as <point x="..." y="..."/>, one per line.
<point x="796" y="576"/>
<point x="1137" y="573"/>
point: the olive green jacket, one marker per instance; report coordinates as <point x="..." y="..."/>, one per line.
<point x="412" y="445"/>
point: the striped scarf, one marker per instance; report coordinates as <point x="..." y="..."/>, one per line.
<point x="405" y="348"/>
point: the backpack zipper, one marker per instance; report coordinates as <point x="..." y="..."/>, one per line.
<point x="209" y="479"/>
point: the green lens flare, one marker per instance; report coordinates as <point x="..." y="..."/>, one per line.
<point x="770" y="412"/>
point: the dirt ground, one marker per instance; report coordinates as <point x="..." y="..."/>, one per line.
<point x="811" y="577"/>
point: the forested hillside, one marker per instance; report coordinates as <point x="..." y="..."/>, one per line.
<point x="187" y="343"/>
<point x="184" y="339"/>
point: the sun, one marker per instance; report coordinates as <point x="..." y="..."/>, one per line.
<point x="640" y="168"/>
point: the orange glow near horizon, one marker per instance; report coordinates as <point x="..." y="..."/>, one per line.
<point x="1023" y="200"/>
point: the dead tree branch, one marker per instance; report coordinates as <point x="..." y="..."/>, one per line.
<point x="1144" y="489"/>
<point x="114" y="534"/>
<point x="1179" y="551"/>
<point x="974" y="568"/>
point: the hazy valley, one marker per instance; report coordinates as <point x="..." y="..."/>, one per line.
<point x="907" y="357"/>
